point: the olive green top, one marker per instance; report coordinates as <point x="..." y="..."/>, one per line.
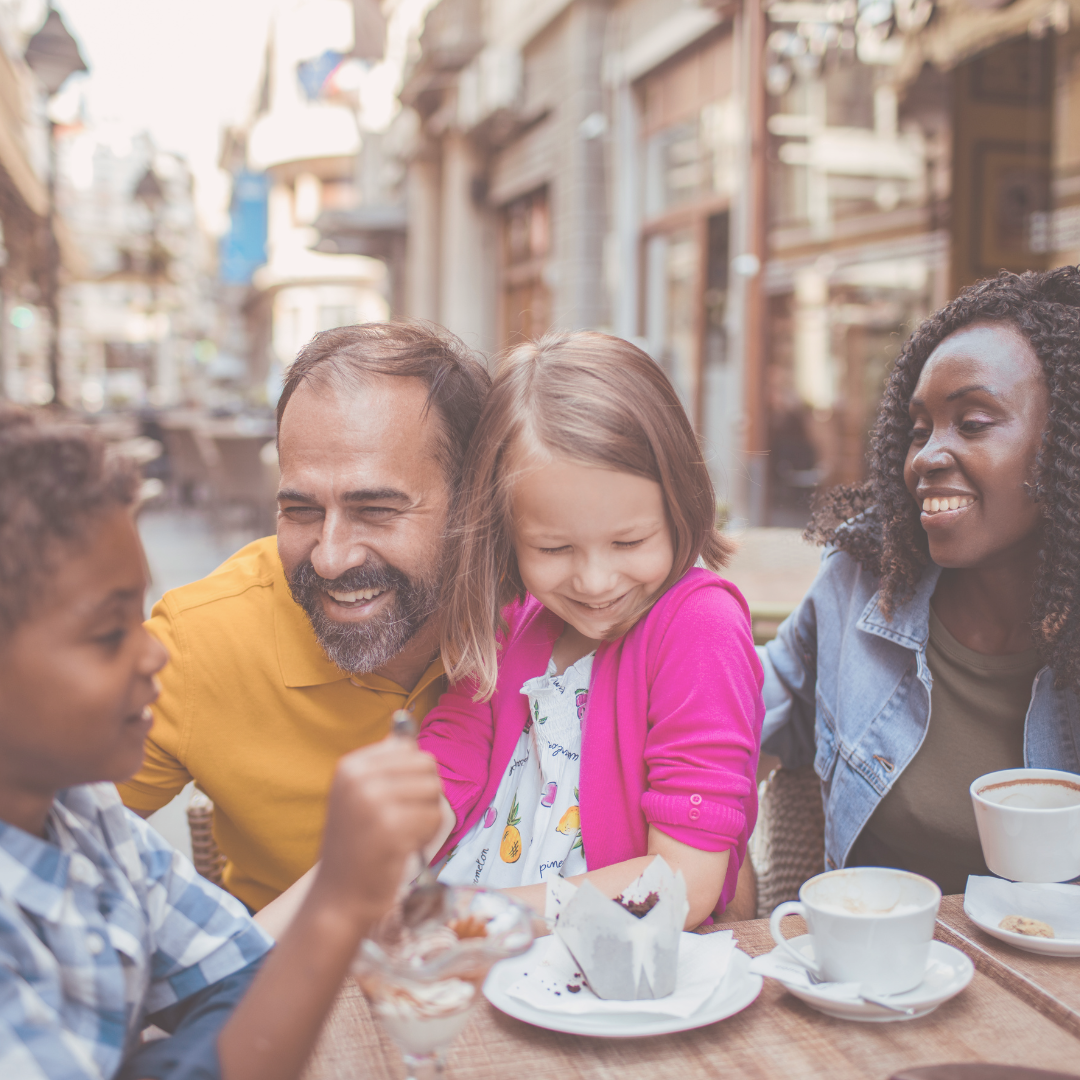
<point x="978" y="704"/>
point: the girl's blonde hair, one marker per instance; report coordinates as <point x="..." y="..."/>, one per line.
<point x="591" y="398"/>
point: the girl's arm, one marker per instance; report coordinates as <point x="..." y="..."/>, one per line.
<point x="459" y="733"/>
<point x="704" y="872"/>
<point x="705" y="713"/>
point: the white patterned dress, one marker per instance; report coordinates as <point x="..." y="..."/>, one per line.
<point x="532" y="831"/>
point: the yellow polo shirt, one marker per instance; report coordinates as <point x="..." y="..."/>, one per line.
<point x="253" y="711"/>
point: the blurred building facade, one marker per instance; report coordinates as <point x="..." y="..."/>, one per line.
<point x="135" y="272"/>
<point x="768" y="197"/>
<point x="303" y="146"/>
<point x="138" y="321"/>
<point x="914" y="148"/>
<point x="25" y="248"/>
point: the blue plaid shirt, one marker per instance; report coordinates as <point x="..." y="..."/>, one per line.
<point x="102" y="924"/>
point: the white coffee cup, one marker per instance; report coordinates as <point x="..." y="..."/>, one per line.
<point x="1029" y="823"/>
<point x="868" y="925"/>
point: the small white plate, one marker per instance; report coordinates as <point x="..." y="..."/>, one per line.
<point x="737" y="989"/>
<point x="947" y="973"/>
<point x="1041" y="945"/>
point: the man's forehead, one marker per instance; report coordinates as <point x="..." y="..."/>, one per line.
<point x="381" y="425"/>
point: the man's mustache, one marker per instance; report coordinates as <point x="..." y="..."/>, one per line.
<point x="365" y="646"/>
<point x="356" y="579"/>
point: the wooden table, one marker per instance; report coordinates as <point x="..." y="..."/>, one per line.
<point x="1019" y="1009"/>
<point x="1050" y="984"/>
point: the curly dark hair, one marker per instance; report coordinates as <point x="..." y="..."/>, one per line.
<point x="877" y="522"/>
<point x="55" y="479"/>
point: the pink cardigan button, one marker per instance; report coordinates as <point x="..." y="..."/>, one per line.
<point x="694" y="814"/>
<point x="695" y="800"/>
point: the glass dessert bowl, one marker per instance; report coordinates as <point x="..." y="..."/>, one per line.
<point x="422" y="983"/>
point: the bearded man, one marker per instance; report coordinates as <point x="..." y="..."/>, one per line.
<point x="296" y="651"/>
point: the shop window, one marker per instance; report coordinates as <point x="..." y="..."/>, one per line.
<point x="1002" y="159"/>
<point x="718" y="256"/>
<point x="693" y="160"/>
<point x="526" y="245"/>
<point x="686" y="304"/>
<point x="861" y="163"/>
<point x="671" y="290"/>
<point x="831" y="341"/>
<point x="849" y="143"/>
<point x="691" y="132"/>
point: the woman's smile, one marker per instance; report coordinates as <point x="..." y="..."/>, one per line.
<point x="950" y="502"/>
<point x="940" y="511"/>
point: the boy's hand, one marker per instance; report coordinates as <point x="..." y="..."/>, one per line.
<point x="384" y="805"/>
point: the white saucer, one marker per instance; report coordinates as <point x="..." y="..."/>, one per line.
<point x="947" y="973"/>
<point x="737" y="989"/>
<point x="988" y="900"/>
<point x="1041" y="945"/>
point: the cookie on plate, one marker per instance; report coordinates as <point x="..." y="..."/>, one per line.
<point x="1021" y="924"/>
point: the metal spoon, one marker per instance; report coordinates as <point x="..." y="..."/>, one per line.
<point x="426" y="900"/>
<point x="873" y="999"/>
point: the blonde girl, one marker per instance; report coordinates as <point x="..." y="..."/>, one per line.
<point x="605" y="704"/>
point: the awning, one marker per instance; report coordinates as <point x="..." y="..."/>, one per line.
<point x="959" y="30"/>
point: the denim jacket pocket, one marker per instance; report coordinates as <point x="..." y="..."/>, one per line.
<point x="827" y="743"/>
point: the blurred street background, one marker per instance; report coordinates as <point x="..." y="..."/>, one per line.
<point x="766" y="195"/>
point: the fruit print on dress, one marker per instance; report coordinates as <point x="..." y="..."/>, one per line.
<point x="489" y="816"/>
<point x="550" y="791"/>
<point x="581" y="699"/>
<point x="510" y="848"/>
<point x="571" y="819"/>
<point x="541" y="720"/>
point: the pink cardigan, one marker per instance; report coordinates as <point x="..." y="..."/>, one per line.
<point x="671" y="735"/>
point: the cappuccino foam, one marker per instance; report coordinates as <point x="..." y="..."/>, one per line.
<point x="1034" y="793"/>
<point x="853" y="905"/>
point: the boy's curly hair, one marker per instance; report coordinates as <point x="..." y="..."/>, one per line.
<point x="877" y="522"/>
<point x="54" y="480"/>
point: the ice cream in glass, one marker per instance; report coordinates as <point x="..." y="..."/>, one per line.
<point x="422" y="982"/>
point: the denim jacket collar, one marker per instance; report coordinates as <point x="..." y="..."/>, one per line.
<point x="910" y="622"/>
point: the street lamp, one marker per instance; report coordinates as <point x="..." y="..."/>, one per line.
<point x="52" y="54"/>
<point x="151" y="194"/>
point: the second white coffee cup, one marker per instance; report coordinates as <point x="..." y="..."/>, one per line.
<point x="869" y="925"/>
<point x="1029" y="823"/>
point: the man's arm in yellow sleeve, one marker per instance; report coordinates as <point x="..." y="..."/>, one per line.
<point x="163" y="775"/>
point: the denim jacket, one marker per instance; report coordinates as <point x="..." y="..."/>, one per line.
<point x="849" y="690"/>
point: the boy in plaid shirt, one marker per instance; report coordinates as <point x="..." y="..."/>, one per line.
<point x="104" y="928"/>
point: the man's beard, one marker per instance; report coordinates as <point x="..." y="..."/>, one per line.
<point x="359" y="648"/>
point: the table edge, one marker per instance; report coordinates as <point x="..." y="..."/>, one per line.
<point x="1016" y="983"/>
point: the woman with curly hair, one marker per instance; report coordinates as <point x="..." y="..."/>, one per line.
<point x="941" y="638"/>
